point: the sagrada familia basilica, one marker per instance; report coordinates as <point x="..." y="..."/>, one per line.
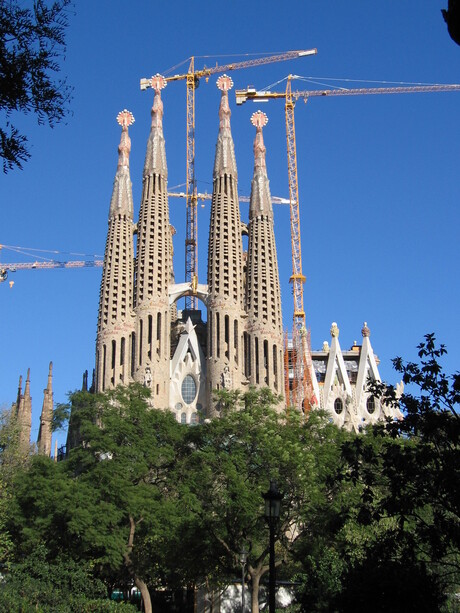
<point x="143" y="337"/>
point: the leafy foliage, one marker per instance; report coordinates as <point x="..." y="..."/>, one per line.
<point x="399" y="539"/>
<point x="32" y="41"/>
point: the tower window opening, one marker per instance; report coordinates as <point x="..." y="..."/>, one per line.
<point x="114" y="349"/>
<point x="133" y="353"/>
<point x="218" y="335"/>
<point x="235" y="339"/>
<point x="104" y="355"/>
<point x="256" y="352"/>
<point x="149" y="337"/>
<point x="159" y="334"/>
<point x="370" y="405"/>
<point x="266" y="377"/>
<point x="122" y="351"/>
<point x="338" y="406"/>
<point x="141" y="333"/>
<point x="227" y="336"/>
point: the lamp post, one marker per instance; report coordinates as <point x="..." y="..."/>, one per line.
<point x="272" y="512"/>
<point x="243" y="558"/>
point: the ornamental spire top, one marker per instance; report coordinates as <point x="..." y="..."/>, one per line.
<point x="155" y="159"/>
<point x="225" y="84"/>
<point x="260" y="203"/>
<point x="259" y="119"/>
<point x="157" y="83"/>
<point x="122" y="199"/>
<point x="125" y="119"/>
<point x="225" y="162"/>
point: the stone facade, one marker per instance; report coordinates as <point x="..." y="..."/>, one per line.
<point x="181" y="358"/>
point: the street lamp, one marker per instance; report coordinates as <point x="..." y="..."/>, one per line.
<point x="243" y="558"/>
<point x="272" y="512"/>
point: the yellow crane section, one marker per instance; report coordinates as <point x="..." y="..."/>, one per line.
<point x="305" y="392"/>
<point x="192" y="78"/>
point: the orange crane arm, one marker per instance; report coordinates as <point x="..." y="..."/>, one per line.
<point x="242" y="95"/>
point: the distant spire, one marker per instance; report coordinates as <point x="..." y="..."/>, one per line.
<point x="225" y="162"/>
<point x="122" y="199"/>
<point x="25" y="416"/>
<point x="19" y="398"/>
<point x="260" y="188"/>
<point x="46" y="419"/>
<point x="155" y="159"/>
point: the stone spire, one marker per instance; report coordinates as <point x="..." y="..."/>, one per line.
<point x="225" y="161"/>
<point x="115" y="321"/>
<point x="263" y="296"/>
<point x="225" y="263"/>
<point x="45" y="431"/>
<point x="151" y="348"/>
<point x="24" y="415"/>
<point x="155" y="158"/>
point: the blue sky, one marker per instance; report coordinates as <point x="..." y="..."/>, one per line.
<point x="378" y="175"/>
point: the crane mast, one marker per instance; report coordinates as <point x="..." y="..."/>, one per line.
<point x="192" y="78"/>
<point x="305" y="392"/>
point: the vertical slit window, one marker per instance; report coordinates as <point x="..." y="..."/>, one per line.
<point x="104" y="353"/>
<point x="141" y="333"/>
<point x="159" y="334"/>
<point x="256" y="355"/>
<point x="133" y="353"/>
<point x="114" y="350"/>
<point x="149" y="337"/>
<point x="227" y="336"/>
<point x="235" y="339"/>
<point x="218" y="335"/>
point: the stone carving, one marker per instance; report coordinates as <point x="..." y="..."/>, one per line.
<point x="148" y="377"/>
<point x="226" y="378"/>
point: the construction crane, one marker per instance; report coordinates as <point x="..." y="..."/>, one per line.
<point x="192" y="78"/>
<point x="14" y="266"/>
<point x="206" y="196"/>
<point x="304" y="394"/>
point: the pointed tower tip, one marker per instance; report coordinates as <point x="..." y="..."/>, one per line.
<point x="125" y="119"/>
<point x="28" y="376"/>
<point x="225" y="84"/>
<point x="155" y="159"/>
<point x="157" y="83"/>
<point x="225" y="161"/>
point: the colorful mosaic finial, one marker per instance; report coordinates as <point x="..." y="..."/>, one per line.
<point x="224" y="83"/>
<point x="157" y="83"/>
<point x="259" y="119"/>
<point x="125" y="118"/>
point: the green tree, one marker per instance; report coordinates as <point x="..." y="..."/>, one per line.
<point x="230" y="464"/>
<point x="400" y="535"/>
<point x="32" y="43"/>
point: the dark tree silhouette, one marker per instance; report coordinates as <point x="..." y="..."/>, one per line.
<point x="32" y="41"/>
<point x="452" y="18"/>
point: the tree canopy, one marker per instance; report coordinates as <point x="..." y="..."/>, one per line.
<point x="368" y="521"/>
<point x="32" y="44"/>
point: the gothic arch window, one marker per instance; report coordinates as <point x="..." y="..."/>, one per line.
<point x="188" y="389"/>
<point x="338" y="405"/>
<point x="370" y="405"/>
<point x="183" y="418"/>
